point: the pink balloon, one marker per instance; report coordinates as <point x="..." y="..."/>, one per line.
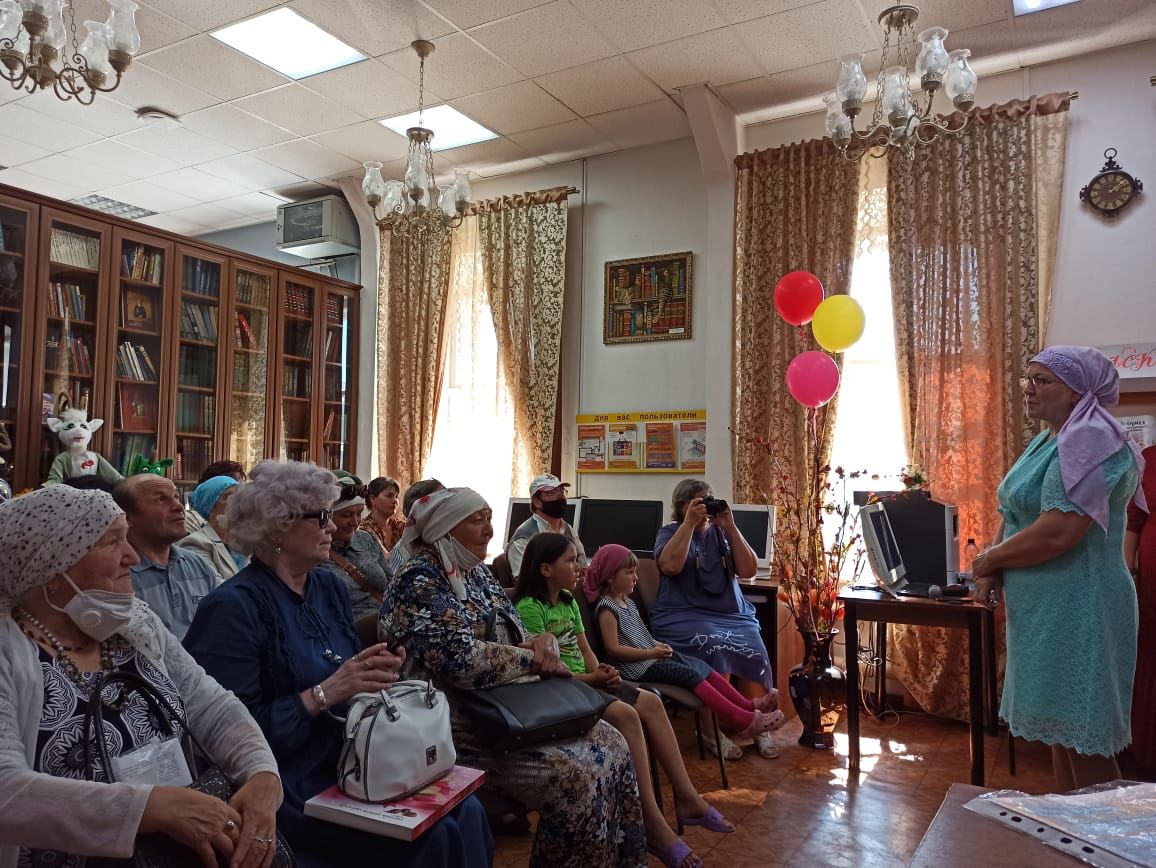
<point x="812" y="378"/>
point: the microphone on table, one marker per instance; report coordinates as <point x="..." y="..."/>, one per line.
<point x="936" y="593"/>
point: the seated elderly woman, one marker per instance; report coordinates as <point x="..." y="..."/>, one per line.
<point x="194" y="521"/>
<point x="209" y="500"/>
<point x="355" y="555"/>
<point x="280" y="635"/>
<point x="584" y="789"/>
<point x="67" y="615"/>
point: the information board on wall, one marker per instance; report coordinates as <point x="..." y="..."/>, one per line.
<point x="657" y="441"/>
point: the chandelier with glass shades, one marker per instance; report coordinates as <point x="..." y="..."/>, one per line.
<point x="39" y="48"/>
<point x="416" y="205"/>
<point x="901" y="120"/>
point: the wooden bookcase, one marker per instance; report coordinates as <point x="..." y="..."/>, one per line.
<point x="186" y="350"/>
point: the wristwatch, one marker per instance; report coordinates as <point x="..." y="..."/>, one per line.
<point x="319" y="694"/>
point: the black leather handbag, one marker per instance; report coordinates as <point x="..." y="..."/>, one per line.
<point x="513" y="716"/>
<point x="161" y="851"/>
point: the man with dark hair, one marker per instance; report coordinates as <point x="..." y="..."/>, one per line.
<point x="400" y="553"/>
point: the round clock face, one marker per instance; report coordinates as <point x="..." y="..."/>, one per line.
<point x="1111" y="191"/>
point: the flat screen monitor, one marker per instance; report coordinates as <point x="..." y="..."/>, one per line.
<point x="756" y="522"/>
<point x="519" y="510"/>
<point x="630" y="523"/>
<point x="882" y="550"/>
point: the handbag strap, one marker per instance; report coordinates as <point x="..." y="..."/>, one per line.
<point x="500" y="614"/>
<point x="357" y="575"/>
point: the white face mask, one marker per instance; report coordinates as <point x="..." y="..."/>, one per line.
<point x="99" y="614"/>
<point x="464" y="559"/>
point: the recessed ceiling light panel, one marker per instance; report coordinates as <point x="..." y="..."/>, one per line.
<point x="1026" y="7"/>
<point x="451" y="128"/>
<point x="288" y="43"/>
<point x="113" y="207"/>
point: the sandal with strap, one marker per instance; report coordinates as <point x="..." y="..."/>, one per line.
<point x="675" y="856"/>
<point x="712" y="820"/>
<point x="731" y="751"/>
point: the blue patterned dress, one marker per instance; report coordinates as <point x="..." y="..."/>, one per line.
<point x="1072" y="621"/>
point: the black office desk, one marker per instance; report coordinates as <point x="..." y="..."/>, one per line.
<point x="882" y="608"/>
<point x="762" y="592"/>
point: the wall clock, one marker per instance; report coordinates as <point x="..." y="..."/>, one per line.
<point x="1112" y="189"/>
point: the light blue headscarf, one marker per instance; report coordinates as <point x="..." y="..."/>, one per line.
<point x="206" y="495"/>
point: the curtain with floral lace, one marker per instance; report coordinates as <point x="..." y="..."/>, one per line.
<point x="795" y="208"/>
<point x="972" y="227"/>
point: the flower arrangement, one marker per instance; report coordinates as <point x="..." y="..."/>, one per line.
<point x="914" y="478"/>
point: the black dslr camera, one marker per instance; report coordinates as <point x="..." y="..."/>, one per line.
<point x="714" y="505"/>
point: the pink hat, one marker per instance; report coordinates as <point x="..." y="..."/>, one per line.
<point x="607" y="561"/>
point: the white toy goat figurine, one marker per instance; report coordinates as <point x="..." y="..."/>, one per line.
<point x="75" y="431"/>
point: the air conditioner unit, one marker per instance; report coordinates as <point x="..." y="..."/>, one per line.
<point x="317" y="228"/>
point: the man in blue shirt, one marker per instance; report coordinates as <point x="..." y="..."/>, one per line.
<point x="172" y="580"/>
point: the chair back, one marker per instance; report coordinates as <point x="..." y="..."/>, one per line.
<point x="590" y="625"/>
<point x="647" y="590"/>
<point x="502" y="572"/>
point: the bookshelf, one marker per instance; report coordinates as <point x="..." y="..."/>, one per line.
<point x="185" y="349"/>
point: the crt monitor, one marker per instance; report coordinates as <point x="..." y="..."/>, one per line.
<point x="519" y="510"/>
<point x="630" y="523"/>
<point x="756" y="522"/>
<point x="882" y="550"/>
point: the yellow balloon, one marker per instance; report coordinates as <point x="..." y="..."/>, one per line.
<point x="838" y="323"/>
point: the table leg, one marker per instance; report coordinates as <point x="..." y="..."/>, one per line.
<point x="851" y="626"/>
<point x="975" y="695"/>
<point x="772" y="641"/>
<point x="881" y="669"/>
<point x="990" y="655"/>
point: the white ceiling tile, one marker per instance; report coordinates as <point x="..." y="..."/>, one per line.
<point x="300" y="110"/>
<point x="459" y="66"/>
<point x="119" y="157"/>
<point x="207" y="214"/>
<point x="660" y="121"/>
<point x="156" y="29"/>
<point x="106" y="116"/>
<point x="814" y="80"/>
<point x="716" y="57"/>
<point x="648" y="22"/>
<point x="144" y="86"/>
<point x="800" y="37"/>
<point x="211" y="14"/>
<point x="1085" y="20"/>
<point x="946" y="13"/>
<point x="147" y="195"/>
<point x="470" y="13"/>
<point x="13" y="152"/>
<point x="744" y="10"/>
<point x="36" y="184"/>
<point x="305" y="158"/>
<point x="176" y="143"/>
<point x="374" y="27"/>
<point x="370" y="88"/>
<point x="514" y="108"/>
<point x="563" y="142"/>
<point x="249" y="172"/>
<point x="173" y="224"/>
<point x="750" y="95"/>
<point x="544" y="39"/>
<point x="602" y="86"/>
<point x="33" y="128"/>
<point x="77" y="174"/>
<point x="495" y="156"/>
<point x="240" y="130"/>
<point x="199" y="185"/>
<point x="305" y="190"/>
<point x="367" y="140"/>
<point x="215" y="67"/>
<point x="989" y="43"/>
<point x="253" y="204"/>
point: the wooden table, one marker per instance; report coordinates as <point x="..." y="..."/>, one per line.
<point x="921" y="612"/>
<point x="762" y="592"/>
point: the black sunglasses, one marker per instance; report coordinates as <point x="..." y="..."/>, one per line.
<point x="322" y="517"/>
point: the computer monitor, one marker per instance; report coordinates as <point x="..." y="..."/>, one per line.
<point x="756" y="522"/>
<point x="630" y="523"/>
<point x="882" y="550"/>
<point x="519" y="510"/>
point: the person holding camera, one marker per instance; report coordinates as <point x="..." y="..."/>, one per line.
<point x="700" y="609"/>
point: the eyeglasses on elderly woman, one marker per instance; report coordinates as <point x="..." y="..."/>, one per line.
<point x="1036" y="381"/>
<point x="323" y="516"/>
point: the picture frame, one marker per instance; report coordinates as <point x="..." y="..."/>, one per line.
<point x="138" y="409"/>
<point x="138" y="311"/>
<point x="648" y="298"/>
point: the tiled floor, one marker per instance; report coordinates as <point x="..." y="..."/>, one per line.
<point x="800" y="810"/>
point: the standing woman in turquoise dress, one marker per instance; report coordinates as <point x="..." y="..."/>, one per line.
<point x="1059" y="564"/>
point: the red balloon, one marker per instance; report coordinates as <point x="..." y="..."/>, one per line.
<point x="797" y="295"/>
<point x="812" y="378"/>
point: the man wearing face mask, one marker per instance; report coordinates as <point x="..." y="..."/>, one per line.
<point x="548" y="502"/>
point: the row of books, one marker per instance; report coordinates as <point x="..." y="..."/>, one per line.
<point x="70" y="248"/>
<point x="196" y="413"/>
<point x="129" y="446"/>
<point x="197" y="366"/>
<point x="249" y="330"/>
<point x="66" y="300"/>
<point x="298" y="381"/>
<point x="333" y="309"/>
<point x="336" y="423"/>
<point x="202" y="277"/>
<point x="298" y="300"/>
<point x="199" y="321"/>
<point x="71" y="354"/>
<point x="334" y="385"/>
<point x="332" y="345"/>
<point x="133" y="362"/>
<point x="299" y="339"/>
<point x="193" y="456"/>
<point x="138" y="262"/>
<point x="253" y="289"/>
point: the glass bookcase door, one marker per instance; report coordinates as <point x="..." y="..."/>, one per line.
<point x="198" y="341"/>
<point x="254" y="290"/>
<point x="74" y="297"/>
<point x="139" y="401"/>
<point x="298" y="315"/>
<point x="336" y="433"/>
<point x="17" y="272"/>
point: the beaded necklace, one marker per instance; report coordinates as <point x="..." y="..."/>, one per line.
<point x="65" y="663"/>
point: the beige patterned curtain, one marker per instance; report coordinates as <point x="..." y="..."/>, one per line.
<point x="413" y="293"/>
<point x="973" y="222"/>
<point x="795" y="208"/>
<point x="523" y="244"/>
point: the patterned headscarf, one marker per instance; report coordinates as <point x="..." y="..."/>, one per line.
<point x="206" y="495"/>
<point x="607" y="561"/>
<point x="44" y="533"/>
<point x="1091" y="434"/>
<point x="431" y="520"/>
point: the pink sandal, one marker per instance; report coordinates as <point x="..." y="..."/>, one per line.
<point x="768" y="702"/>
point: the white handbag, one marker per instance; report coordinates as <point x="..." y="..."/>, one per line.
<point x="396" y="742"/>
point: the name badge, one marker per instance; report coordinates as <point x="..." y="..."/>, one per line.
<point x="160" y="763"/>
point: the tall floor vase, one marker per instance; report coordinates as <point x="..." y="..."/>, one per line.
<point x="818" y="689"/>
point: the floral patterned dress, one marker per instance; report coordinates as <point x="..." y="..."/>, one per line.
<point x="585" y="789"/>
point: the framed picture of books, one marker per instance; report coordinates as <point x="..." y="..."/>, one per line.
<point x="139" y="312"/>
<point x="648" y="299"/>
<point x="138" y="409"/>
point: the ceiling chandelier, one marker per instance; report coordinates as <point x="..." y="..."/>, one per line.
<point x="415" y="205"/>
<point x="38" y="50"/>
<point x="900" y="119"/>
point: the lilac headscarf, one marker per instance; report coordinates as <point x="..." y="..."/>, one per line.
<point x="1091" y="434"/>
